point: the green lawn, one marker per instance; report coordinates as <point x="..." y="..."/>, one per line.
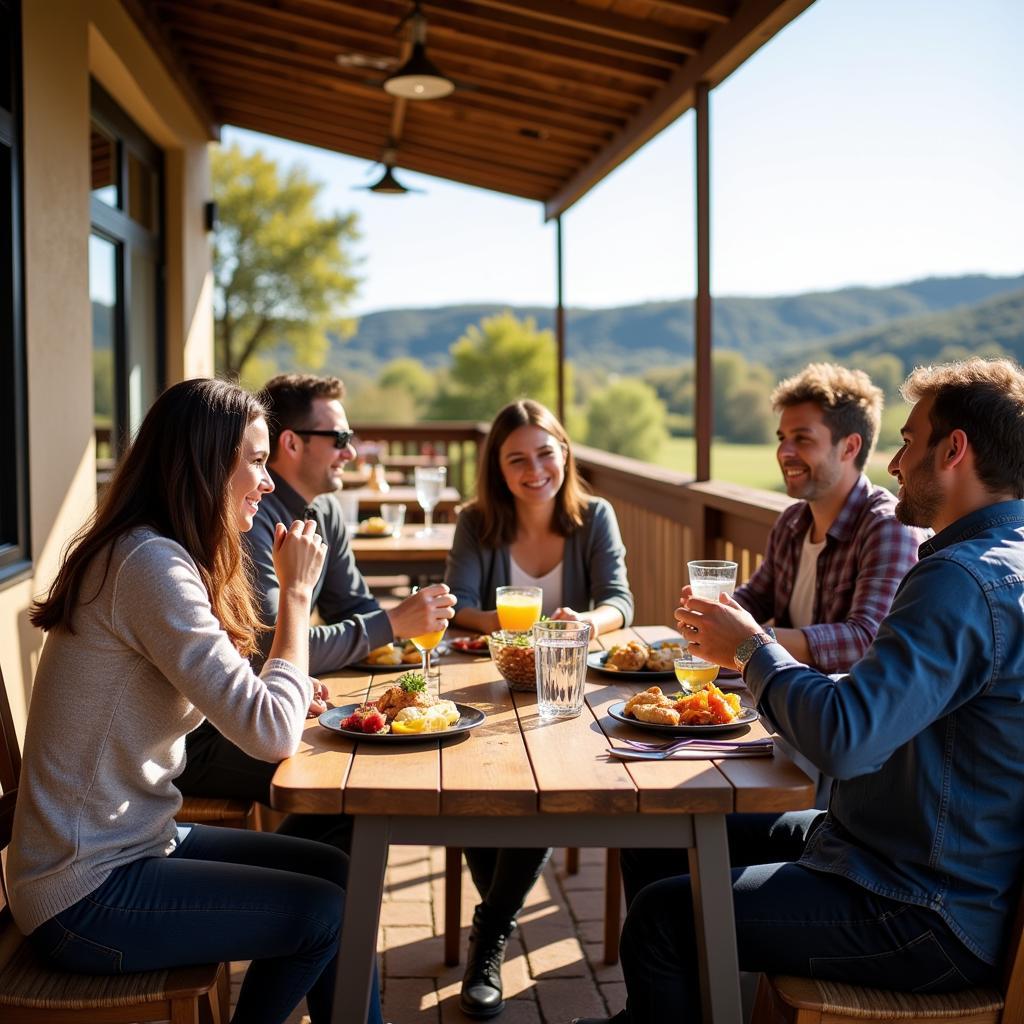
<point x="751" y="464"/>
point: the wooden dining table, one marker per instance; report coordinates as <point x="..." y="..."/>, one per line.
<point x="371" y="500"/>
<point x="519" y="781"/>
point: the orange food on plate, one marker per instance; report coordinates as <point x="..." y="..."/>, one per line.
<point x="709" y="706"/>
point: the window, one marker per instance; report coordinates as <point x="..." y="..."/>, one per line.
<point x="14" y="539"/>
<point x="125" y="276"/>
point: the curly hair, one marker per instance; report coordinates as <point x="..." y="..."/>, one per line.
<point x="985" y="399"/>
<point x="849" y="402"/>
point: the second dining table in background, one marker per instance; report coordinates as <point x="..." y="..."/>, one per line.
<point x="405" y="554"/>
<point x="521" y="781"/>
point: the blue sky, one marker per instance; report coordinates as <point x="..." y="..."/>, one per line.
<point x="871" y="142"/>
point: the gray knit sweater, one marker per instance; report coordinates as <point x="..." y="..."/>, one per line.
<point x="110" y="708"/>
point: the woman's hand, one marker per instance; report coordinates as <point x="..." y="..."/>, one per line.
<point x="299" y="555"/>
<point x="319" y="703"/>
<point x="566" y="615"/>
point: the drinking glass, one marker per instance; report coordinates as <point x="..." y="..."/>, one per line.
<point x="560" y="651"/>
<point x="425" y="643"/>
<point x="429" y="485"/>
<point x="694" y="672"/>
<point x="518" y="607"/>
<point x="710" y="579"/>
<point x="349" y="509"/>
<point x="394" y="516"/>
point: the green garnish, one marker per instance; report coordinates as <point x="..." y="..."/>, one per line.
<point x="412" y="682"/>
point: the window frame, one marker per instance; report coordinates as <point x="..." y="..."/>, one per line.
<point x="15" y="540"/>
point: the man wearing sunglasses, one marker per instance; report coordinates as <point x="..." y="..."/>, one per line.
<point x="310" y="442"/>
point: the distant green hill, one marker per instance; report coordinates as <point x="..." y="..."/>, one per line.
<point x="996" y="321"/>
<point x="632" y="339"/>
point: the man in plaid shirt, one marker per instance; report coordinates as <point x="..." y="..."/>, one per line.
<point x="835" y="558"/>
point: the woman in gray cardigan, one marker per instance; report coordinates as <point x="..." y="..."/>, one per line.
<point x="149" y="624"/>
<point x="532" y="524"/>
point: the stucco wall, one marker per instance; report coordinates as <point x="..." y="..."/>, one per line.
<point x="64" y="43"/>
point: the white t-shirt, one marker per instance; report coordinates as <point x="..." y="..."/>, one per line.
<point x="551" y="584"/>
<point x="801" y="601"/>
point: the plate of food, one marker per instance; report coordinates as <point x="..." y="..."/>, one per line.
<point x="404" y="713"/>
<point x="636" y="661"/>
<point x="396" y="657"/>
<point x="470" y="644"/>
<point x="709" y="710"/>
<point x="374" y="527"/>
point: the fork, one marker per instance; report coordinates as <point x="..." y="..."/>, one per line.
<point x="694" y="741"/>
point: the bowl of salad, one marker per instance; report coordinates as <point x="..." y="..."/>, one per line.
<point x="512" y="652"/>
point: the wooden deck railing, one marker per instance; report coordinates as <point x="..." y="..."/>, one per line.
<point x="665" y="517"/>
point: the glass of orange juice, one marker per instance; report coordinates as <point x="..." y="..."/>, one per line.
<point x="518" y="607"/>
<point x="695" y="673"/>
<point x="425" y="643"/>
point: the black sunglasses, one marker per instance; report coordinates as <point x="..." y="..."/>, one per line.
<point x="341" y="437"/>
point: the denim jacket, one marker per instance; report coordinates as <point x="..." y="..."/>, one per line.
<point x="925" y="735"/>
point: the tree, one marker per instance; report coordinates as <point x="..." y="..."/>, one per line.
<point x="627" y="418"/>
<point x="411" y="377"/>
<point x="496" y="362"/>
<point x="282" y="274"/>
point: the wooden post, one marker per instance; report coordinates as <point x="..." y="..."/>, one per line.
<point x="560" y="319"/>
<point x="703" y="413"/>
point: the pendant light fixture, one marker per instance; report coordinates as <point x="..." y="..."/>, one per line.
<point x="388" y="185"/>
<point x="419" y="78"/>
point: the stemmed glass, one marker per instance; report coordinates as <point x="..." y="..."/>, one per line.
<point x="429" y="485"/>
<point x="425" y="643"/>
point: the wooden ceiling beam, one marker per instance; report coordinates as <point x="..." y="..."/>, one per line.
<point x="727" y="47"/>
<point x="652" y="50"/>
<point x="488" y="178"/>
<point x="270" y="44"/>
<point x="719" y="11"/>
<point x="617" y="27"/>
<point x="515" y="152"/>
<point x="547" y="117"/>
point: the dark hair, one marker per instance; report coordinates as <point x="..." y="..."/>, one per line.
<point x="494" y="500"/>
<point x="175" y="479"/>
<point x="985" y="399"/>
<point x="849" y="402"/>
<point x="289" y="401"/>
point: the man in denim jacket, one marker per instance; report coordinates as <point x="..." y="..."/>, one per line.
<point x="909" y="881"/>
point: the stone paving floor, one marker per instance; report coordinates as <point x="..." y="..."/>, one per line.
<point x="554" y="969"/>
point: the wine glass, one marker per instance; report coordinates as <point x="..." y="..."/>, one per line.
<point x="425" y="643"/>
<point x="429" y="485"/>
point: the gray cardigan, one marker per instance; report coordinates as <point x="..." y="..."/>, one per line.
<point x="593" y="567"/>
<point x="111" y="705"/>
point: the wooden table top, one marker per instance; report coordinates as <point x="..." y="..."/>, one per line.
<point x="406" y="547"/>
<point x="516" y="764"/>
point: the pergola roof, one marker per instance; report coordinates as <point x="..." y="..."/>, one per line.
<point x="551" y="94"/>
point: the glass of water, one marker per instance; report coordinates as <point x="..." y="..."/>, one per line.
<point x="710" y="579"/>
<point x="560" y="650"/>
<point x="429" y="485"/>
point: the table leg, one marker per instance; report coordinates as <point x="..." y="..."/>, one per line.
<point x="714" y="921"/>
<point x="358" y="947"/>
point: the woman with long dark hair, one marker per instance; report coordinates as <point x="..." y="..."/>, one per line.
<point x="532" y="524"/>
<point x="149" y="624"/>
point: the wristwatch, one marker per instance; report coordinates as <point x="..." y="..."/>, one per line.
<point x="746" y="648"/>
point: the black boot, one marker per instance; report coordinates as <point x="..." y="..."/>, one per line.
<point x="481" y="984"/>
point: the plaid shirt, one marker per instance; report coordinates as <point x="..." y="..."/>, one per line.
<point x="867" y="553"/>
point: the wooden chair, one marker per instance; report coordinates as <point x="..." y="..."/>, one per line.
<point x="453" y="901"/>
<point x="787" y="1000"/>
<point x="33" y="992"/>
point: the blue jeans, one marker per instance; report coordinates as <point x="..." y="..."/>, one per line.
<point x="224" y="894"/>
<point x="789" y="920"/>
